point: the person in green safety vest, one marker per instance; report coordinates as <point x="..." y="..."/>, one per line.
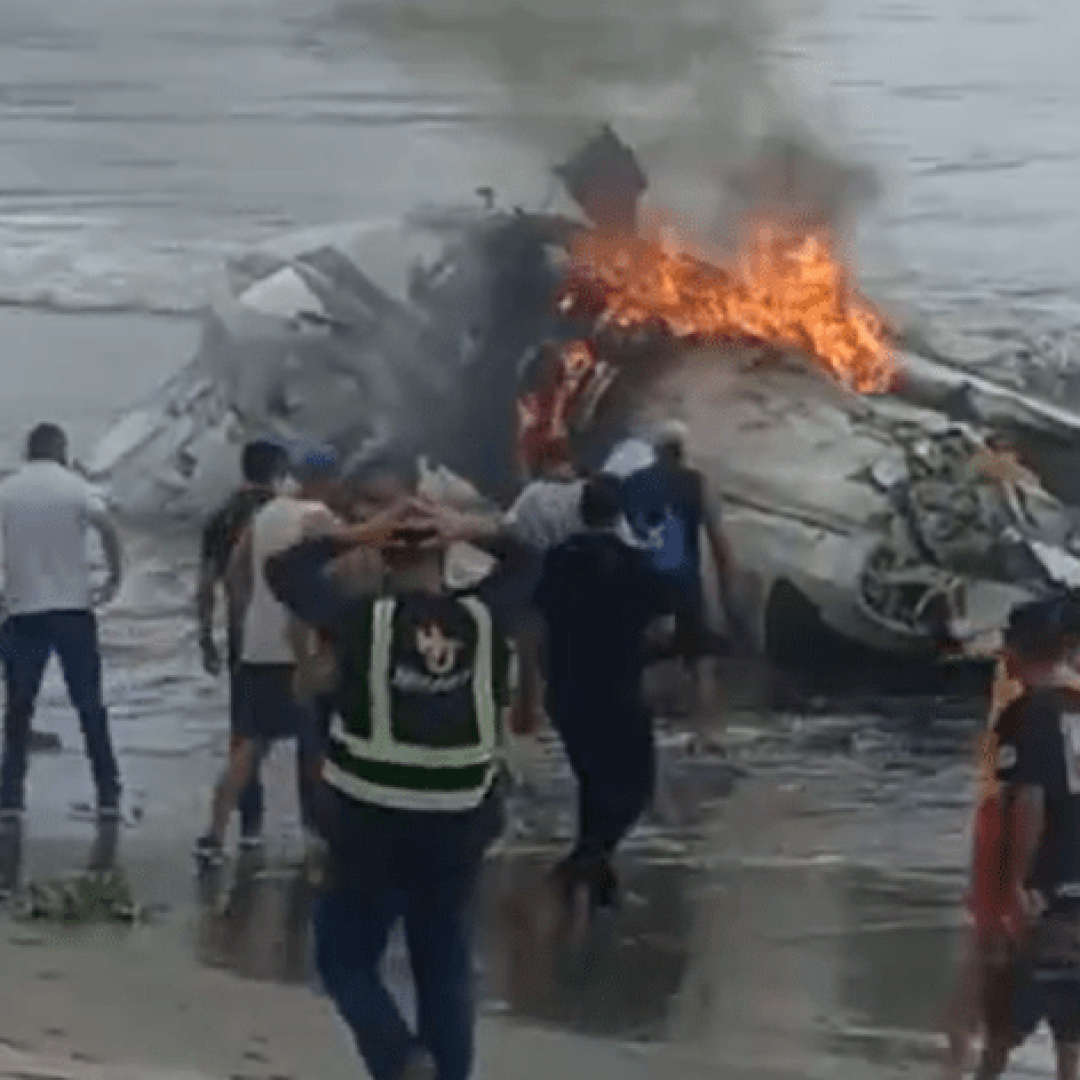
<point x="421" y="677"/>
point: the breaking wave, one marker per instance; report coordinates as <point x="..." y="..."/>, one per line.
<point x="71" y="263"/>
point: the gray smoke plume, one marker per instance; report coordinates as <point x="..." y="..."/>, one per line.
<point x="697" y="87"/>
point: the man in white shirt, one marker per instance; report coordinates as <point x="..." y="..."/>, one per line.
<point x="46" y="514"/>
<point x="268" y="709"/>
<point x="548" y="510"/>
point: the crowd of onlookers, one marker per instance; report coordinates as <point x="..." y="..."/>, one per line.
<point x="346" y="631"/>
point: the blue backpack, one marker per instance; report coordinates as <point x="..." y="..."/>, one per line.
<point x="655" y="505"/>
<point x="664" y="538"/>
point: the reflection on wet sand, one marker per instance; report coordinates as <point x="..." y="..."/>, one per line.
<point x="777" y="958"/>
<point x="619" y="981"/>
<point x="761" y="950"/>
<point x="756" y="989"/>
<point x="103" y="857"/>
<point x="257" y="923"/>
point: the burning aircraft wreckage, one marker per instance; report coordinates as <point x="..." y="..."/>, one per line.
<point x="865" y="489"/>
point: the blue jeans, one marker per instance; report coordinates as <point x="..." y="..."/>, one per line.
<point x="26" y="643"/>
<point x="422" y="867"/>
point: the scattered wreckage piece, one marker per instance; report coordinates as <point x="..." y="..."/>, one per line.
<point x="302" y="342"/>
<point x="1046" y="435"/>
<point x="867" y="514"/>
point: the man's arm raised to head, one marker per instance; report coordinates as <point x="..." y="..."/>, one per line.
<point x="300" y="577"/>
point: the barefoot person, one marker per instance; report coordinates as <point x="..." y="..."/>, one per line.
<point x="1031" y="966"/>
<point x="964" y="1011"/>
<point x="964" y="1014"/>
<point x="597" y="596"/>
<point x="668" y="509"/>
<point x="47" y="513"/>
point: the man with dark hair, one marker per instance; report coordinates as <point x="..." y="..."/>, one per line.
<point x="264" y="464"/>
<point x="597" y="596"/>
<point x="270" y="710"/>
<point x="420" y="680"/>
<point x="46" y="442"/>
<point x="46" y="514"/>
<point x="1033" y="952"/>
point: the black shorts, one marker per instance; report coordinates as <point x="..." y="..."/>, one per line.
<point x="689" y="637"/>
<point x="690" y="640"/>
<point x="264" y="707"/>
<point x="1040" y="982"/>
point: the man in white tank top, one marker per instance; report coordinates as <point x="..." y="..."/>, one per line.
<point x="268" y="710"/>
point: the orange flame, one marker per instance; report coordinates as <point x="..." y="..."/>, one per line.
<point x="543" y="413"/>
<point x="785" y="289"/>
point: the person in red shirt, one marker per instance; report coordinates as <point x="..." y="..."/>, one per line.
<point x="995" y="914"/>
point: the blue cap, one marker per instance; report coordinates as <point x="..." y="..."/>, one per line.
<point x="318" y="459"/>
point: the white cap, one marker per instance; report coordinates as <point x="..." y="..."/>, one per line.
<point x="671" y="433"/>
<point x="629" y="457"/>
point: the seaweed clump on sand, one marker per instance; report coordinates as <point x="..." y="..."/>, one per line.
<point x="90" y="898"/>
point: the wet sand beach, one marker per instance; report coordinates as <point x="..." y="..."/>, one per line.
<point x="798" y="923"/>
<point x="797" y="926"/>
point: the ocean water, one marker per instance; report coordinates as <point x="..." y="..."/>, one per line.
<point x="143" y="141"/>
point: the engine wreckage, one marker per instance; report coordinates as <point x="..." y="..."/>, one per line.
<point x="882" y="517"/>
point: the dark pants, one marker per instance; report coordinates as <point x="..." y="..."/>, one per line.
<point x="423" y="868"/>
<point x="612" y="753"/>
<point x="26" y="643"/>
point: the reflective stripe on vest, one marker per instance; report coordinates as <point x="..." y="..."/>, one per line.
<point x="387" y="772"/>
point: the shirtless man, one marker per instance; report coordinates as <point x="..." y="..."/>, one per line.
<point x="268" y="709"/>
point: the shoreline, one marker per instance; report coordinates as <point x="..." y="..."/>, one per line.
<point x="80" y="369"/>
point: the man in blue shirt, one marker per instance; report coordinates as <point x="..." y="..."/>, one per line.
<point x="667" y="508"/>
<point x="1035" y="967"/>
<point x="597" y="596"/>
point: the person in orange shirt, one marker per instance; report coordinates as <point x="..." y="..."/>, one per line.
<point x="987" y="910"/>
